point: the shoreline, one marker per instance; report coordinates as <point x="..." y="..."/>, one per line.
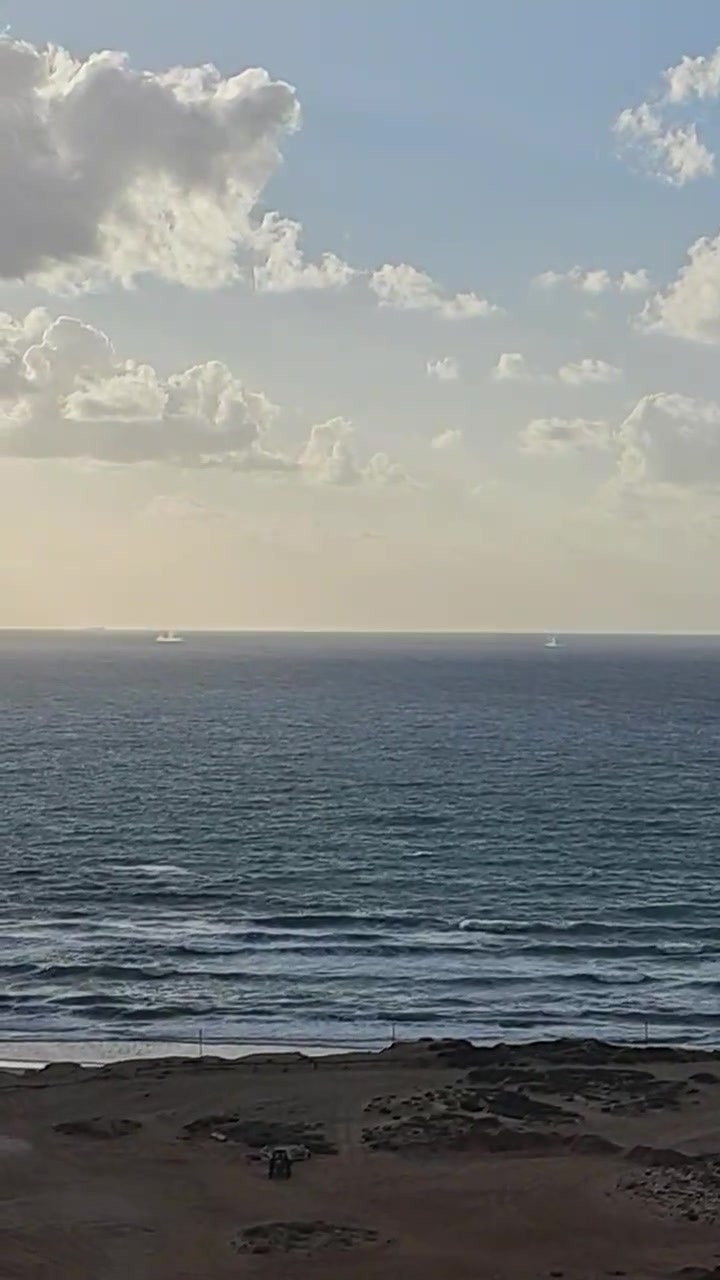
<point x="607" y="1156"/>
<point x="31" y="1054"/>
<point x="37" y="1054"/>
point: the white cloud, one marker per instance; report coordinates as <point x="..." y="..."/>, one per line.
<point x="563" y="435"/>
<point x="382" y="469"/>
<point x="694" y="78"/>
<point x="135" y="394"/>
<point x="283" y="267"/>
<point x="633" y="281"/>
<point x="67" y="395"/>
<point x="669" y="150"/>
<point x="671" y="439"/>
<point x="329" y="457"/>
<point x="583" y="372"/>
<point x="446" y="440"/>
<point x="110" y="171"/>
<point x="595" y="280"/>
<point x="445" y="370"/>
<point x="79" y="401"/>
<point x="15" y="338"/>
<point x="690" y="307"/>
<point x="668" y="443"/>
<point x="676" y="154"/>
<point x="406" y="289"/>
<point x="511" y="367"/>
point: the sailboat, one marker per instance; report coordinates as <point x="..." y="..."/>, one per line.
<point x="168" y="637"/>
<point x="552" y="642"/>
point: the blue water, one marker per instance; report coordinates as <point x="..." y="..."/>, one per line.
<point x="312" y="838"/>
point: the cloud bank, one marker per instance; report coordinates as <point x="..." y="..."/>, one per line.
<point x="65" y="394"/>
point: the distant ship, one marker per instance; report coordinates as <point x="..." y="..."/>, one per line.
<point x="168" y="637"/>
<point x="552" y="642"/>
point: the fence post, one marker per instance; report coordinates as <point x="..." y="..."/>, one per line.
<point x="647" y="1031"/>
<point x="200" y="1043"/>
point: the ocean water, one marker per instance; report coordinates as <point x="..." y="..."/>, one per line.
<point x="318" y="839"/>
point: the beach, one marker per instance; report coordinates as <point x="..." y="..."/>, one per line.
<point x="432" y="1159"/>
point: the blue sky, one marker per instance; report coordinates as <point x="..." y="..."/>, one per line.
<point x="475" y="143"/>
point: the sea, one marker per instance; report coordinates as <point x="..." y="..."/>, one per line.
<point x="340" y="840"/>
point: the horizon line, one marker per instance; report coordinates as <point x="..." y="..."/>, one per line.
<point x="149" y="629"/>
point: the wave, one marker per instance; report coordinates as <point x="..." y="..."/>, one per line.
<point x="340" y="919"/>
<point x="586" y="928"/>
<point x="104" y="975"/>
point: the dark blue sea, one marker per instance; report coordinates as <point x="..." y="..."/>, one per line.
<point x="308" y="839"/>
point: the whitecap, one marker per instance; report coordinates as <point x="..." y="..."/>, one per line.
<point x="159" y="869"/>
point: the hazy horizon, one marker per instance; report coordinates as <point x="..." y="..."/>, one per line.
<point x="151" y="629"/>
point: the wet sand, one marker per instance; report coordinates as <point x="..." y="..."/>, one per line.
<point x="435" y="1160"/>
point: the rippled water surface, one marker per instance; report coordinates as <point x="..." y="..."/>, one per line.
<point x="313" y="838"/>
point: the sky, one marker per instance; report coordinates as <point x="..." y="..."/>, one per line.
<point x="360" y="316"/>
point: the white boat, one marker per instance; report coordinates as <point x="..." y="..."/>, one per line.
<point x="168" y="637"/>
<point x="552" y="642"/>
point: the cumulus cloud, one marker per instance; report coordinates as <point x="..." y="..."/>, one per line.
<point x="284" y="268"/>
<point x="665" y="147"/>
<point x="118" y="172"/>
<point x="329" y="457"/>
<point x="690" y="307"/>
<point x="671" y="439"/>
<point x="16" y="336"/>
<point x="563" y="435"/>
<point x="595" y="280"/>
<point x="445" y="370"/>
<point x="77" y="400"/>
<point x="633" y="281"/>
<point x="446" y="440"/>
<point x="676" y="154"/>
<point x="406" y="289"/>
<point x="583" y="372"/>
<point x="65" y="394"/>
<point x="110" y="173"/>
<point x="694" y="78"/>
<point x="511" y="367"/>
<point x="668" y="443"/>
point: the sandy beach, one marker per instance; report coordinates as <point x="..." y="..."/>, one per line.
<point x="433" y="1160"/>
